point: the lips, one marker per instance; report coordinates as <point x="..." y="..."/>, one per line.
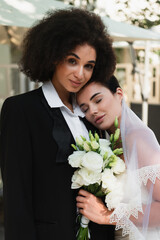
<point x="75" y="83"/>
<point x="99" y="119"/>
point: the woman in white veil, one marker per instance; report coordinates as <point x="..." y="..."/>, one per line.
<point x="137" y="216"/>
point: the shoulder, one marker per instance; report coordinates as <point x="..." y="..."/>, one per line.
<point x="26" y="102"/>
<point x="139" y="134"/>
<point x="23" y="100"/>
<point x="144" y="140"/>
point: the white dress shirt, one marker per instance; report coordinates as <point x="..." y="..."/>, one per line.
<point x="75" y="124"/>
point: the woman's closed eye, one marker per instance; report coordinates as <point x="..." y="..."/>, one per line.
<point x="98" y="100"/>
<point x="84" y="110"/>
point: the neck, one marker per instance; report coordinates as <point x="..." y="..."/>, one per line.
<point x="65" y="96"/>
<point x="68" y="102"/>
<point x="112" y="128"/>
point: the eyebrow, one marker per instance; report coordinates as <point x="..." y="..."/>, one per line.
<point x="76" y="56"/>
<point x="94" y="95"/>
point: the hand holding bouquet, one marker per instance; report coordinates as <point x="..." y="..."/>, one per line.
<point x="98" y="167"/>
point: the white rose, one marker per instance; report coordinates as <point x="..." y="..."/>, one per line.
<point x="77" y="180"/>
<point x="109" y="181"/>
<point x="119" y="166"/>
<point x="75" y="158"/>
<point x="104" y="142"/>
<point x="104" y="147"/>
<point x="114" y="197"/>
<point x="89" y="177"/>
<point x="92" y="161"/>
<point x="104" y="150"/>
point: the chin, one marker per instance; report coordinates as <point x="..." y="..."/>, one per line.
<point x="74" y="90"/>
<point x="103" y="128"/>
<point x="99" y="126"/>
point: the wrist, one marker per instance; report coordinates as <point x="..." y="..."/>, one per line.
<point x="107" y="218"/>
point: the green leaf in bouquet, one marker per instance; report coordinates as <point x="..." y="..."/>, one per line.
<point x="105" y="164"/>
<point x="92" y="188"/>
<point x="89" y="188"/>
<point x="95" y="189"/>
<point x="112" y="161"/>
<point x="75" y="148"/>
<point x="98" y="150"/>
<point x="91" y="136"/>
<point x="116" y="135"/>
<point x="79" y="143"/>
<point x="87" y="146"/>
<point x="111" y="137"/>
<point x="116" y="122"/>
<point x="78" y="218"/>
<point x="83" y="234"/>
<point x="118" y="151"/>
<point x="114" y="138"/>
<point x="80" y="147"/>
<point x="94" y="145"/>
<point x="100" y="193"/>
<point x="105" y="156"/>
<point x="83" y="138"/>
<point x="96" y="137"/>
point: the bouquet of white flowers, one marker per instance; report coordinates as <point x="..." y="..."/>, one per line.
<point x="98" y="167"/>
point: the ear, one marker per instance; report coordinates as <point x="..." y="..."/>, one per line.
<point x="119" y="93"/>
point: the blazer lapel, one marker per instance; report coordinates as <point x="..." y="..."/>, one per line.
<point x="60" y="132"/>
<point x="62" y="135"/>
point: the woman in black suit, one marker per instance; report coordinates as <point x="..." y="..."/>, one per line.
<point x="64" y="50"/>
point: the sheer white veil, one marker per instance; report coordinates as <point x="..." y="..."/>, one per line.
<point x="137" y="213"/>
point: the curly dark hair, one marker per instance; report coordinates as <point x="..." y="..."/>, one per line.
<point x="59" y="32"/>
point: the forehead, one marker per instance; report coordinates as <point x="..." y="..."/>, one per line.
<point x="88" y="91"/>
<point x="85" y="50"/>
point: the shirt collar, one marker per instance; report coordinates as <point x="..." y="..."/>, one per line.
<point x="51" y="95"/>
<point x="54" y="100"/>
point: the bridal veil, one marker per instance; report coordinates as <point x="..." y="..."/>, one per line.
<point x="138" y="214"/>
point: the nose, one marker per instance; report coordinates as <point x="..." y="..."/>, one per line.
<point x="79" y="73"/>
<point x="93" y="110"/>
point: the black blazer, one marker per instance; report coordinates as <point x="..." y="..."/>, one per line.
<point x="35" y="142"/>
